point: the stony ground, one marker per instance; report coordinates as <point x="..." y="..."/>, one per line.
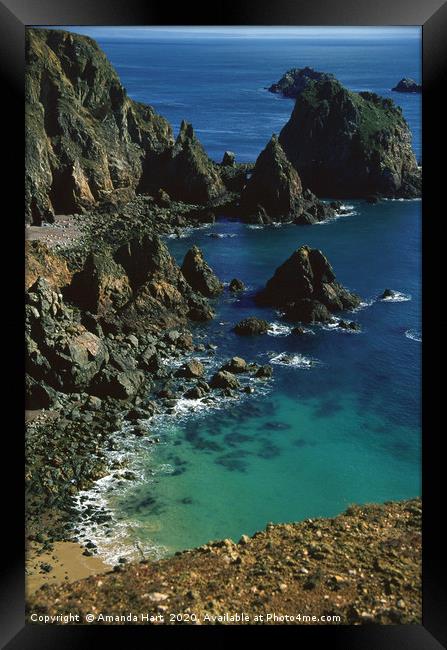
<point x="363" y="566"/>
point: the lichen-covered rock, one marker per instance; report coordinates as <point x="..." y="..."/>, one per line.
<point x="85" y="138"/>
<point x="40" y="261"/>
<point x="305" y="287"/>
<point x="347" y="144"/>
<point x="199" y="275"/>
<point x="251" y="326"/>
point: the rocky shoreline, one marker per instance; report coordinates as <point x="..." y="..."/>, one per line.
<point x="290" y="571"/>
<point x="109" y="312"/>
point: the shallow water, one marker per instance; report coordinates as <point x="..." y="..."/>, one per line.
<point x="337" y="425"/>
<point x="341" y="422"/>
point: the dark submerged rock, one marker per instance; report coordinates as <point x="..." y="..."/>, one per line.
<point x="236" y="285"/>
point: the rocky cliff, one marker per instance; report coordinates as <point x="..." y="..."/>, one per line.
<point x="76" y="326"/>
<point x="346" y="144"/>
<point x="88" y="142"/>
<point x="306" y="289"/>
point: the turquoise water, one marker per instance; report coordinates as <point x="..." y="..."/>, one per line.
<point x="343" y="424"/>
<point x="315" y="439"/>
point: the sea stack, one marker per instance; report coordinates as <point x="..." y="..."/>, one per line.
<point x="274" y="191"/>
<point x="293" y="82"/>
<point x="305" y="288"/>
<point x="350" y="145"/>
<point x="407" y="85"/>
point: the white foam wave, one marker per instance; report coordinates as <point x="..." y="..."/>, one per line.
<point x="397" y="296"/>
<point x="255" y="226"/>
<point x="278" y="329"/>
<point x="294" y="360"/>
<point x="414" y="335"/>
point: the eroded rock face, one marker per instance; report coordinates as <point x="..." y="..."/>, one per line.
<point x="188" y="174"/>
<point x="85" y="139"/>
<point x="199" y="275"/>
<point x="162" y="298"/>
<point x="61" y="352"/>
<point x="346" y="144"/>
<point x="305" y="287"/>
<point x="101" y="286"/>
<point x="42" y="261"/>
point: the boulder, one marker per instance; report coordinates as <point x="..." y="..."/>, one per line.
<point x="196" y="392"/>
<point x="224" y="379"/>
<point x="60" y="351"/>
<point x="199" y="275"/>
<point x="191" y="370"/>
<point x="235" y="365"/>
<point x="236" y="285"/>
<point x="229" y="159"/>
<point x="305" y="287"/>
<point x="251" y="326"/>
<point x="119" y="385"/>
<point x="349" y="325"/>
<point x="264" y="372"/>
<point x="347" y="144"/>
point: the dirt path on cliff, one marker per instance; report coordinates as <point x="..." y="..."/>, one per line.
<point x="363" y="566"/>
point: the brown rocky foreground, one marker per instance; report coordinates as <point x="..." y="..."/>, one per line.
<point x="363" y="566"/>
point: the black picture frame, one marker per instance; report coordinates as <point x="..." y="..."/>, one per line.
<point x="432" y="15"/>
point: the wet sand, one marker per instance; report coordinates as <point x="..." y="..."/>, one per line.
<point x="68" y="565"/>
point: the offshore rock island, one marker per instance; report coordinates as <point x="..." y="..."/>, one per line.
<point x="112" y="318"/>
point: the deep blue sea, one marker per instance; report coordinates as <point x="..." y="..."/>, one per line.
<point x="342" y="423"/>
